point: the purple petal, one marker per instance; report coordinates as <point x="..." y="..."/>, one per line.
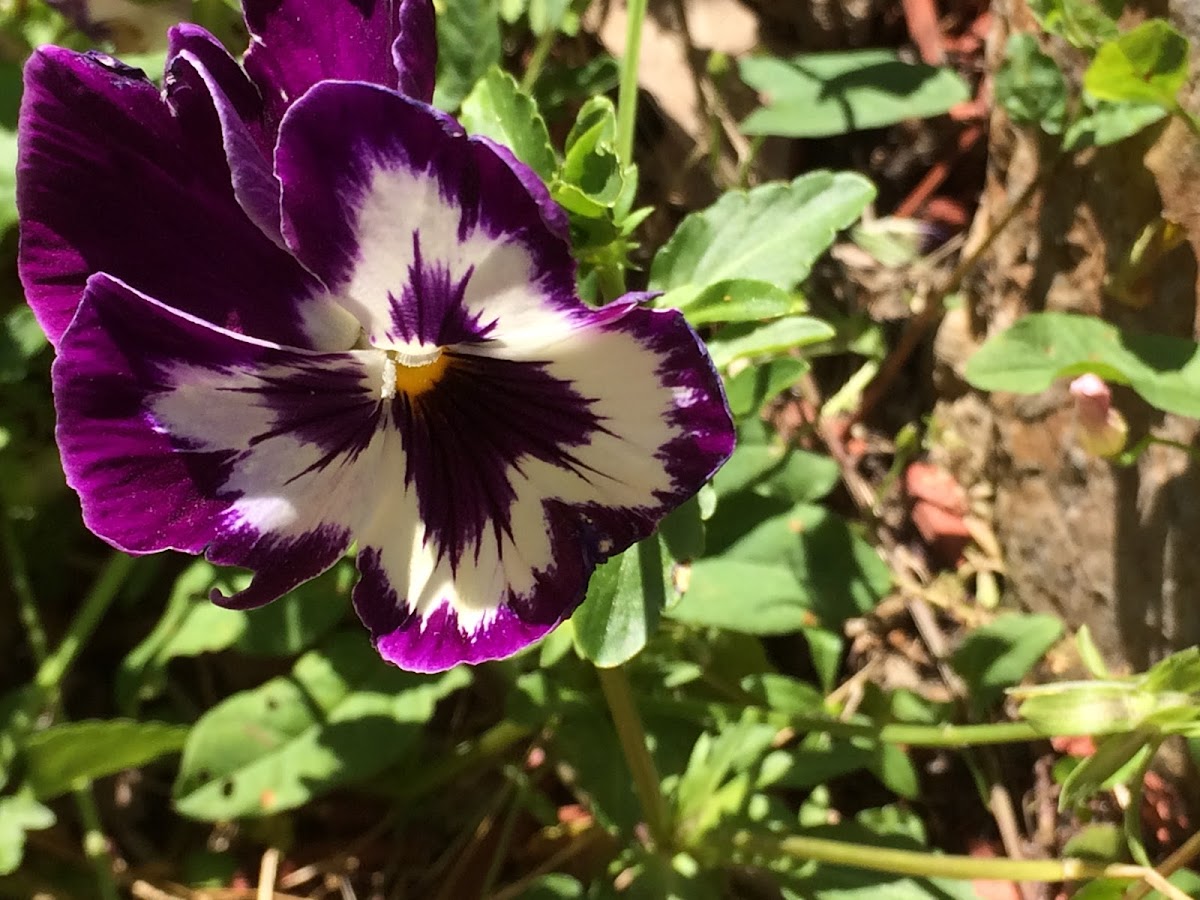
<point x="295" y="44"/>
<point x="414" y="52"/>
<point x="180" y="435"/>
<point x="532" y="460"/>
<point x="109" y="181"/>
<point x="426" y="235"/>
<point x="202" y="81"/>
<point x="553" y="215"/>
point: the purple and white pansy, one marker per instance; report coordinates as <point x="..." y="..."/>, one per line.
<point x="297" y="309"/>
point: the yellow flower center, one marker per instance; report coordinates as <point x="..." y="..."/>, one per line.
<point x="413" y="372"/>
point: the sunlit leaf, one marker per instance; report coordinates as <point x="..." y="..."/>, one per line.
<point x="738" y="300"/>
<point x="748" y="340"/>
<point x="468" y="35"/>
<point x="61" y="755"/>
<point x="821" y="94"/>
<point x="1107" y="123"/>
<point x="1030" y="86"/>
<point x="19" y="813"/>
<point x="772" y="233"/>
<point x="999" y="654"/>
<point x="624" y="600"/>
<point x="1042" y="347"/>
<point x="1148" y="64"/>
<point x="498" y="109"/>
<point x="343" y="714"/>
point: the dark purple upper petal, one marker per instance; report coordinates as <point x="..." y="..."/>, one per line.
<point x="414" y="52"/>
<point x="202" y="82"/>
<point x="295" y="44"/>
<point x="108" y="180"/>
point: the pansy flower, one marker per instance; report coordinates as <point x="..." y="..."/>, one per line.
<point x="296" y="309"/>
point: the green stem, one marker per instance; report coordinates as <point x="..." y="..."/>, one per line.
<point x="953" y="736"/>
<point x="1168" y="867"/>
<point x="632" y="735"/>
<point x="95" y="844"/>
<point x="611" y="281"/>
<point x="504" y="839"/>
<point x="537" y="59"/>
<point x="928" y="865"/>
<point x="26" y="604"/>
<point x="627" y="93"/>
<point x="104" y="590"/>
<point x="1134" y="838"/>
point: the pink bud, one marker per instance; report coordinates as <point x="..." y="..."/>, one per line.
<point x="1102" y="430"/>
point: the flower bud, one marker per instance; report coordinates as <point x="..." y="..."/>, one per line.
<point x="1102" y="430"/>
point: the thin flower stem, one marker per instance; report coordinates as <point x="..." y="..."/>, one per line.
<point x="104" y="590"/>
<point x="95" y="843"/>
<point x="618" y="694"/>
<point x="537" y="59"/>
<point x="51" y="669"/>
<point x="19" y="577"/>
<point x="627" y="93"/>
<point x="1188" y="851"/>
<point x="952" y="736"/>
<point x="504" y="839"/>
<point x="1134" y="839"/>
<point x="929" y="865"/>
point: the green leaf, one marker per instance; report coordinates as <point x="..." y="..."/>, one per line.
<point x="1146" y="65"/>
<point x="555" y="886"/>
<point x="803" y="568"/>
<point x="825" y="648"/>
<point x="744" y="596"/>
<point x="784" y="694"/>
<point x="342" y="715"/>
<point x="1108" y="123"/>
<point x="772" y="233"/>
<point x="624" y="600"/>
<point x="1092" y="707"/>
<point x="1030" y="86"/>
<point x="1082" y="22"/>
<point x="777" y="470"/>
<point x="998" y="655"/>
<point x="755" y="386"/>
<point x="191" y="625"/>
<point x="1089" y="653"/>
<point x="717" y="781"/>
<point x="748" y="341"/>
<point x="497" y="108"/>
<point x="547" y="15"/>
<point x="19" y="813"/>
<point x="683" y="530"/>
<point x="738" y="300"/>
<point x="468" y="36"/>
<point x="21" y="338"/>
<point x="1099" y="843"/>
<point x="1117" y="757"/>
<point x="822" y="94"/>
<point x="1042" y="347"/>
<point x="565" y="84"/>
<point x="891" y="764"/>
<point x="10" y="99"/>
<point x="819" y="759"/>
<point x="62" y="755"/>
<point x="592" y="181"/>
